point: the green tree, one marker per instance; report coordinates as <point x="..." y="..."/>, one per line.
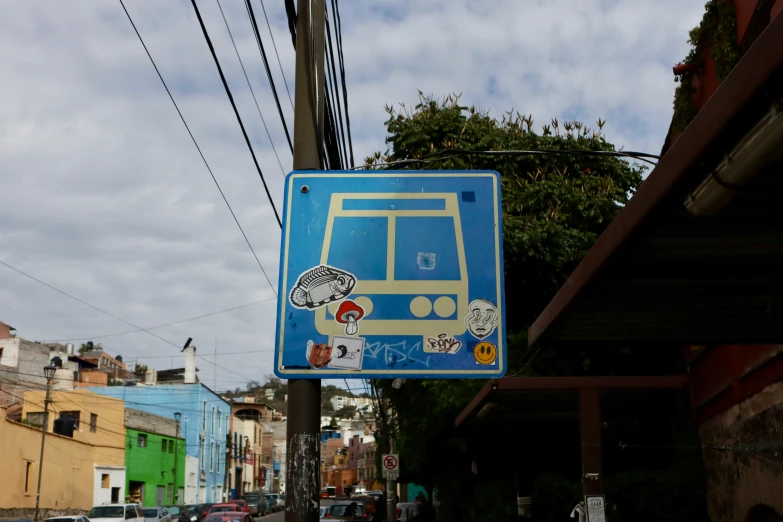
<point x="140" y="370"/>
<point x="555" y="206"/>
<point x="86" y="347"/>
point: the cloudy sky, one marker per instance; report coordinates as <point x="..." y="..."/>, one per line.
<point x="105" y="197"/>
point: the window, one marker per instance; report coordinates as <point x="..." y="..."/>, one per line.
<point x="163" y="445"/>
<point x="203" y="459"/>
<point x="171" y="446"/>
<point x="213" y="420"/>
<point x="35" y="419"/>
<point x="141" y="441"/>
<point x="75" y="416"/>
<point x="204" y="417"/>
<point x="220" y="423"/>
<point x="219" y="458"/>
<point x="169" y="493"/>
<point x="27" y="472"/>
<point x="93" y="423"/>
<point x="211" y="456"/>
<point x="105" y="481"/>
<point x="130" y="512"/>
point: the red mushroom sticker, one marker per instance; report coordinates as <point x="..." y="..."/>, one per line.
<point x="349" y="314"/>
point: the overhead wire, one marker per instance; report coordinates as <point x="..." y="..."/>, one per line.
<point x="251" y="16"/>
<point x="199" y="148"/>
<point x="274" y="45"/>
<point x="236" y="111"/>
<point x="338" y="26"/>
<point x="252" y="92"/>
<point x="332" y="67"/>
<point x="335" y="96"/>
<point x="104" y="336"/>
<point x="456" y="153"/>
<point x="113" y="315"/>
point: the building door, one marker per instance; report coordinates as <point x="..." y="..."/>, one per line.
<point x="115" y="495"/>
<point x="160" y="496"/>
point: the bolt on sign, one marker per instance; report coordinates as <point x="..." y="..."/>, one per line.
<point x="391" y="274"/>
<point x="391" y="466"/>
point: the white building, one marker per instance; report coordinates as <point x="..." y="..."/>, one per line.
<point x="269" y="393"/>
<point x="339" y="402"/>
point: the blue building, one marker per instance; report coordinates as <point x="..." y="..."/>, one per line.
<point x="204" y="424"/>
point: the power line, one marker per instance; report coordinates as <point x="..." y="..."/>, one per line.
<point x="456" y="153"/>
<point x="115" y="316"/>
<point x="250" y="87"/>
<point x="331" y="65"/>
<point x="338" y="26"/>
<point x="253" y="23"/>
<point x="263" y="8"/>
<point x="104" y="336"/>
<point x="236" y="111"/>
<point x="199" y="149"/>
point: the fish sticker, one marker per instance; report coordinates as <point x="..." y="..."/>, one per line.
<point x="321" y="285"/>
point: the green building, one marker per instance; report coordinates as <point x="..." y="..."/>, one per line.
<point x="151" y="443"/>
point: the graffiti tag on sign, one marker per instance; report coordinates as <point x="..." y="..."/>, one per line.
<point x="443" y="343"/>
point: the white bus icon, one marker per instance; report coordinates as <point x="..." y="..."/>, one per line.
<point x="408" y="255"/>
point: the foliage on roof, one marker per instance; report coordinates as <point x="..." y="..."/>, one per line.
<point x="716" y="34"/>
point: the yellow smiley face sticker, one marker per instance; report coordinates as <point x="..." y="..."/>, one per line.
<point x="485" y="353"/>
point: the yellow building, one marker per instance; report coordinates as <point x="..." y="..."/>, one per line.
<point x="79" y="471"/>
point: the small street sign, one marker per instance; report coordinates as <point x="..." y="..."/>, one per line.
<point x="391" y="466"/>
<point x="391" y="274"/>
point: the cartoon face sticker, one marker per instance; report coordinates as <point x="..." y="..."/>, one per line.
<point x="485" y="353"/>
<point x="482" y="318"/>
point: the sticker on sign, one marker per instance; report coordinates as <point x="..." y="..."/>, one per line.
<point x="391" y="465"/>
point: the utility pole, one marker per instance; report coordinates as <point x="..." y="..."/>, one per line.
<point x="49" y="374"/>
<point x="175" y="494"/>
<point x="391" y="484"/>
<point x="303" y="431"/>
<point x="226" y="481"/>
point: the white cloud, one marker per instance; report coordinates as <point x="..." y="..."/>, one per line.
<point x="105" y="197"/>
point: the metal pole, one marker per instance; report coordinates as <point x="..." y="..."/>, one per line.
<point x="43" y="440"/>
<point x="391" y="484"/>
<point x="176" y="453"/>
<point x="303" y="430"/>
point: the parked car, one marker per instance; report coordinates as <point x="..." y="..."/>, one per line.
<point x="370" y="504"/>
<point x="225" y="508"/>
<point x="271" y="504"/>
<point x="15" y="519"/>
<point x="115" y="513"/>
<point x="282" y="499"/>
<point x="347" y="510"/>
<point x="229" y="516"/>
<point x="255" y="503"/>
<point x="74" y="518"/>
<point x="407" y="511"/>
<point x="242" y="504"/>
<point x="275" y="501"/>
<point x="156" y="514"/>
<point x="179" y="514"/>
<point x="196" y="512"/>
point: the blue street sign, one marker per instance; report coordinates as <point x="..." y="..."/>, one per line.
<point x="390" y="274"/>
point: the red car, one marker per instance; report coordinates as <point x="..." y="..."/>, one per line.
<point x="242" y="504"/>
<point x="229" y="516"/>
<point x="227" y="508"/>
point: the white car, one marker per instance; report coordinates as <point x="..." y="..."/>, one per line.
<point x="116" y="513"/>
<point x="74" y="518"/>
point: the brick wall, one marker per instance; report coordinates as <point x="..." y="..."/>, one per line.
<point x="149" y="422"/>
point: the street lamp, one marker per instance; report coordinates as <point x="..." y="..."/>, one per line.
<point x="177" y="417"/>
<point x="48" y="370"/>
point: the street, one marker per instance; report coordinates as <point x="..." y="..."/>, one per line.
<point x="272" y="517"/>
